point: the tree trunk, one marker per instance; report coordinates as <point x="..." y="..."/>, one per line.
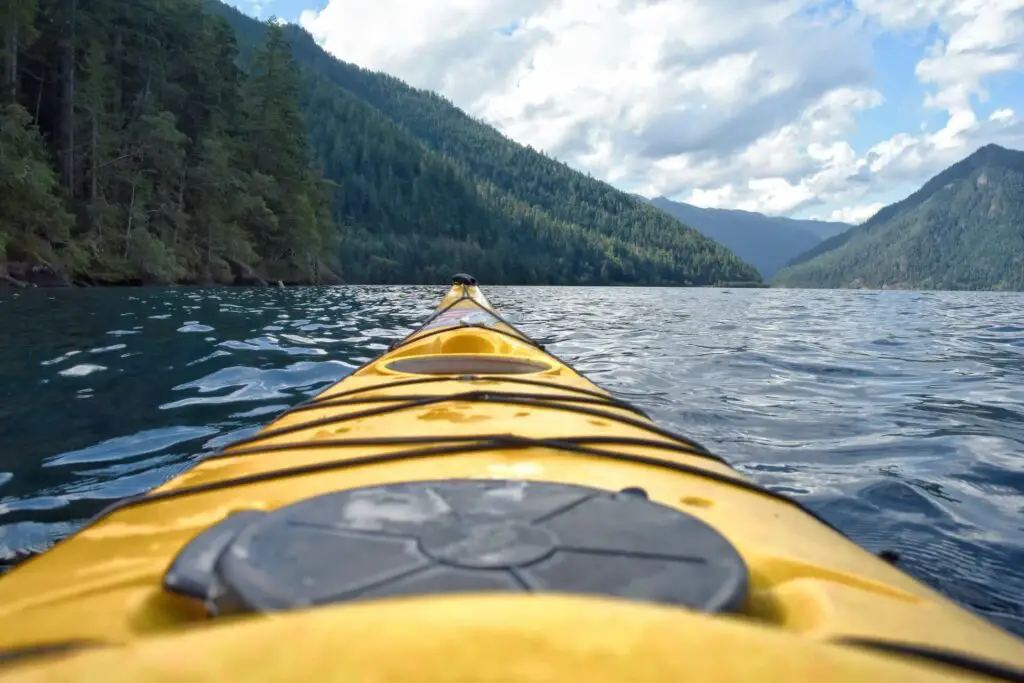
<point x="117" y="75"/>
<point x="11" y="43"/>
<point x="131" y="216"/>
<point x="68" y="102"/>
<point x="39" y="100"/>
<point x="94" y="159"/>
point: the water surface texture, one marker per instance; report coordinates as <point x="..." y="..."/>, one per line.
<point x="898" y="416"/>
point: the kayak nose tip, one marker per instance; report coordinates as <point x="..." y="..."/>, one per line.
<point x="463" y="279"/>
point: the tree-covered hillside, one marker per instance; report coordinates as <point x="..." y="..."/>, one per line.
<point x="158" y="141"/>
<point x="526" y="217"/>
<point x="964" y="229"/>
<point x="133" y="149"/>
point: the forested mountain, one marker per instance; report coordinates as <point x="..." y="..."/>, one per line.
<point x="158" y="141"/>
<point x="765" y="242"/>
<point x="964" y="229"/>
<point x="520" y="214"/>
<point x="132" y="148"/>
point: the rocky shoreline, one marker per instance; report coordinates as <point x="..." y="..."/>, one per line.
<point x="232" y="273"/>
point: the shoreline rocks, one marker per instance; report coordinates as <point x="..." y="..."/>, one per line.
<point x="228" y="272"/>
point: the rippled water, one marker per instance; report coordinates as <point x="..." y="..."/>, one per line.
<point x="899" y="416"/>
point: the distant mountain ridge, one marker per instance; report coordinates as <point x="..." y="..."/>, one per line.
<point x="766" y="242"/>
<point x="964" y="229"/>
<point x="425" y="189"/>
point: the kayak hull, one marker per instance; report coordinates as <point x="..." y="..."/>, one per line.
<point x="469" y="400"/>
<point x="485" y="638"/>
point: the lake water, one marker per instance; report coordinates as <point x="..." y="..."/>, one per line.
<point x="898" y="416"/>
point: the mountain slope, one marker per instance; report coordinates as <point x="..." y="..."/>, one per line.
<point x="423" y="186"/>
<point x="766" y="242"/>
<point x="964" y="229"/>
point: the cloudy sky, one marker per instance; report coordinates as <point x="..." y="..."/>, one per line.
<point x="806" y="108"/>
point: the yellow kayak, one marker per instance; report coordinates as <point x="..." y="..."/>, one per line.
<point x="467" y="507"/>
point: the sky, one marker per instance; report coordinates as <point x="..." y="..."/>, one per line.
<point x="824" y="109"/>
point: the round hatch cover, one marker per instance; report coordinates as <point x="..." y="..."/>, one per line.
<point x="470" y="535"/>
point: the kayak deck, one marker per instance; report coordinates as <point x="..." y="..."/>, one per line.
<point x="465" y="467"/>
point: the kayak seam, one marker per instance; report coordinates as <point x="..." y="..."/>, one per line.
<point x="948" y="657"/>
<point x="483" y="396"/>
<point x="437" y="451"/>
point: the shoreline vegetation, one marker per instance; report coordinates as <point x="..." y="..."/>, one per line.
<point x="181" y="141"/>
<point x="34" y="276"/>
<point x="228" y="272"/>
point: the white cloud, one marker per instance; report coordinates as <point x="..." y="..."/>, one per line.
<point x="1002" y="115"/>
<point x="977" y="39"/>
<point x="719" y="102"/>
<point x="853" y="214"/>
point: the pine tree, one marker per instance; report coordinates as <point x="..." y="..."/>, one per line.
<point x="274" y="135"/>
<point x="32" y="215"/>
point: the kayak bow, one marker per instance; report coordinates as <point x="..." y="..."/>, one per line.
<point x="469" y="507"/>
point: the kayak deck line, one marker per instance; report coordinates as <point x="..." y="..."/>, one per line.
<point x="444" y="481"/>
<point x="404" y="440"/>
<point x="478" y="395"/>
<point x="504" y="379"/>
<point x="508" y="398"/>
<point x="478" y="444"/>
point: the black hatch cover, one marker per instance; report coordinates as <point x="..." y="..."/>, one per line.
<point x="460" y="535"/>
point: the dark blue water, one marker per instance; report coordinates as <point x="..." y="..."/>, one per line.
<point x="899" y="416"/>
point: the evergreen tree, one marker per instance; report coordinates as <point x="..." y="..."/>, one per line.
<point x="275" y="149"/>
<point x="32" y="218"/>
